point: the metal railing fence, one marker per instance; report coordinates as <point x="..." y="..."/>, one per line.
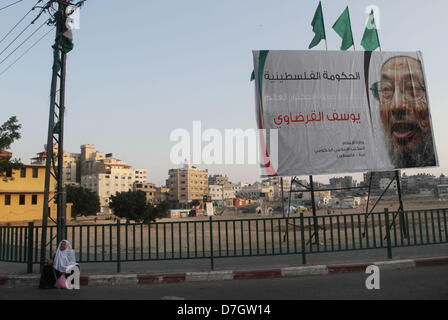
<point x="216" y="238"/>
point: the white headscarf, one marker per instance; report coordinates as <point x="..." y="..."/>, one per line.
<point x="64" y="259"/>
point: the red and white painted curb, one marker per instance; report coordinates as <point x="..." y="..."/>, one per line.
<point x="300" y="271"/>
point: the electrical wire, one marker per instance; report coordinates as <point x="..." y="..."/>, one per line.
<point x="17" y="24"/>
<point x="46" y="7"/>
<point x="28" y="50"/>
<point x="13" y="28"/>
<point x="23" y="42"/>
<point x="10" y="5"/>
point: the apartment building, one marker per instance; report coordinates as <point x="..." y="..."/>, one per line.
<point x="148" y="188"/>
<point x="215" y="191"/>
<point x="376" y="177"/>
<point x="141" y="176"/>
<point x="187" y="184"/>
<point x="218" y="179"/>
<point x="161" y="195"/>
<point x="255" y="190"/>
<point x="99" y="172"/>
<point x="71" y="167"/>
<point x="106" y="177"/>
<point x="276" y="184"/>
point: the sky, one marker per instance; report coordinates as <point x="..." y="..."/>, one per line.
<point x="141" y="69"/>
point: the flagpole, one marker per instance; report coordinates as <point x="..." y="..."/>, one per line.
<point x="325" y="31"/>
<point x="351" y="30"/>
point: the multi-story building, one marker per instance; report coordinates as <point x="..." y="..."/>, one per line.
<point x="148" y="188"/>
<point x="442" y="179"/>
<point x="71" y="167"/>
<point x="161" y="195"/>
<point x="342" y="182"/>
<point x="218" y="179"/>
<point x="442" y="191"/>
<point x="384" y="182"/>
<point x="228" y="191"/>
<point x="376" y="177"/>
<point x="187" y="184"/>
<point x="421" y="181"/>
<point x="320" y="197"/>
<point x="255" y="190"/>
<point x="106" y="177"/>
<point x="99" y="172"/>
<point x="141" y="175"/>
<point x="276" y="183"/>
<point x="215" y="191"/>
<point x="22" y="195"/>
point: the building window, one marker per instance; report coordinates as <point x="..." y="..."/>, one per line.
<point x="22" y="200"/>
<point x="23" y="173"/>
<point x="34" y="199"/>
<point x="7" y="199"/>
<point x="35" y="172"/>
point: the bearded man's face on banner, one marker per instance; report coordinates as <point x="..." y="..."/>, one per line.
<point x="403" y="103"/>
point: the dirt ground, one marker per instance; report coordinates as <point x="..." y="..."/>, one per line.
<point x="410" y="202"/>
<point x="237" y="233"/>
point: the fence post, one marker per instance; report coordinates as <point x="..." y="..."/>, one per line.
<point x="118" y="247"/>
<point x="30" y="248"/>
<point x="1" y="243"/>
<point x="389" y="245"/>
<point x="302" y="235"/>
<point x="211" y="244"/>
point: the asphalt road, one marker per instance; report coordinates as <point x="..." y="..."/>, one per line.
<point x="413" y="283"/>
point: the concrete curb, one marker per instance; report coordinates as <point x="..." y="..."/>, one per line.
<point x="396" y="264"/>
<point x="304" y="271"/>
<point x="301" y="271"/>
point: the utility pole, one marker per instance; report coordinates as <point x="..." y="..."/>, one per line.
<point x="55" y="163"/>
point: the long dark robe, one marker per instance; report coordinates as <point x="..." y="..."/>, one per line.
<point x="48" y="277"/>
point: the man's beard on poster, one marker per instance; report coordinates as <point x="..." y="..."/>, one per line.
<point x="422" y="156"/>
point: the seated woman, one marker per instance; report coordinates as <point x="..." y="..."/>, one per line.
<point x="56" y="267"/>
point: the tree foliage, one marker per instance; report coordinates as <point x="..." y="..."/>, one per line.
<point x="132" y="205"/>
<point x="85" y="202"/>
<point x="9" y="132"/>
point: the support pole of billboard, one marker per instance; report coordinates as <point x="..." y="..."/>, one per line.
<point x="283" y="196"/>
<point x="376" y="202"/>
<point x="368" y="193"/>
<point x="290" y="194"/>
<point x="400" y="208"/>
<point x="313" y="204"/>
<point x="289" y="204"/>
<point x="367" y="205"/>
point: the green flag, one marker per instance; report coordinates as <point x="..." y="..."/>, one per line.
<point x="318" y="27"/>
<point x="370" y="40"/>
<point x="344" y="29"/>
<point x="63" y="42"/>
<point x="252" y="76"/>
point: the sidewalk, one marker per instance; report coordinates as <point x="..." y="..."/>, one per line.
<point x="236" y="268"/>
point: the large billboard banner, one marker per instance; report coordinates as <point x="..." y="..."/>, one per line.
<point x="338" y="111"/>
